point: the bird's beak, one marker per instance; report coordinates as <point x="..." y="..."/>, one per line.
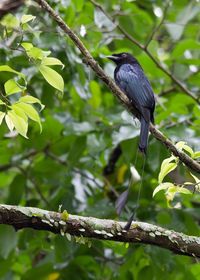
<point x="112" y="57"/>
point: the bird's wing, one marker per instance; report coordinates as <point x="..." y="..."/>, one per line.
<point x="134" y="83"/>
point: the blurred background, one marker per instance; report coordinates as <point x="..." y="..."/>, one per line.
<point x="81" y="160"/>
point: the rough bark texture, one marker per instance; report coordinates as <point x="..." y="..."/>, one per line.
<point x="65" y="224"/>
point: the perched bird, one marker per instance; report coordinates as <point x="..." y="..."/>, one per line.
<point x="130" y="78"/>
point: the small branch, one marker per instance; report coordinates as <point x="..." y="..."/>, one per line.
<point x="89" y="60"/>
<point x="158" y="26"/>
<point x="66" y="225"/>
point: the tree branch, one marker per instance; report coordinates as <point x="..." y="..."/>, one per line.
<point x="89" y="60"/>
<point x="67" y="225"/>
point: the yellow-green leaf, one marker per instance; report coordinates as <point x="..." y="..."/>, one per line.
<point x="11" y="87"/>
<point x="196" y="154"/>
<point x="9" y="122"/>
<point x="51" y="61"/>
<point x="167" y="166"/>
<point x="52" y="77"/>
<point x="19" y="123"/>
<point x="30" y="111"/>
<point x="27" y="18"/>
<point x="2" y="114"/>
<point x="163" y="186"/>
<point x="6" y="68"/>
<point x="27" y="46"/>
<point x="30" y="99"/>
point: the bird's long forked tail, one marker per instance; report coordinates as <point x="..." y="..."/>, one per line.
<point x="144" y="135"/>
<point x="133" y="216"/>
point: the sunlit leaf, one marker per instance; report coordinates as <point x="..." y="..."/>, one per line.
<point x="11" y="87"/>
<point x="30" y="111"/>
<point x="27" y="18"/>
<point x="2" y="115"/>
<point x="19" y="123"/>
<point x="167" y="166"/>
<point x="6" y="68"/>
<point x="51" y="61"/>
<point x="163" y="186"/>
<point x="52" y="77"/>
<point x="30" y="99"/>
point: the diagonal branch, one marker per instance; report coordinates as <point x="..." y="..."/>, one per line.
<point x="145" y="49"/>
<point x="89" y="227"/>
<point x="89" y="60"/>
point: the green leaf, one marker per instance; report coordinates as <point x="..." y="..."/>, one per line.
<point x="27" y="46"/>
<point x="182" y="146"/>
<point x="20" y="124"/>
<point x="52" y="77"/>
<point x="11" y="87"/>
<point x="27" y="18"/>
<point x="9" y="122"/>
<point x="10" y="22"/>
<point x="30" y="111"/>
<point x="35" y="53"/>
<point x="8" y="240"/>
<point x="196" y="154"/>
<point x="95" y="100"/>
<point x="30" y="99"/>
<point x="2" y="115"/>
<point x="51" y="61"/>
<point x="166" y="167"/>
<point x="6" y="68"/>
<point x="163" y="186"/>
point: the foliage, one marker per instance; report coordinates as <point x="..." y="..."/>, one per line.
<point x="63" y="167"/>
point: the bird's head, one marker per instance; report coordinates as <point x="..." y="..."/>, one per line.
<point x="120" y="58"/>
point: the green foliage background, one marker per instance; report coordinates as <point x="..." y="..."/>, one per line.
<point x="64" y="164"/>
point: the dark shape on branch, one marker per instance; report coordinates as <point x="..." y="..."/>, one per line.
<point x="110" y="167"/>
<point x="129" y="76"/>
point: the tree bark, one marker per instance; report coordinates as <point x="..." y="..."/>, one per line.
<point x="71" y="225"/>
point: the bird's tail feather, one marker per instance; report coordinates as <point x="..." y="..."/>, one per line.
<point x="144" y="133"/>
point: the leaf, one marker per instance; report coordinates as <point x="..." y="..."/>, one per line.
<point x="163" y="186"/>
<point x="52" y="77"/>
<point x="166" y="167"/>
<point x="96" y="99"/>
<point x="196" y="154"/>
<point x="27" y="46"/>
<point x="30" y="111"/>
<point x="2" y="114"/>
<point x="9" y="122"/>
<point x="195" y="178"/>
<point x="19" y="123"/>
<point x="8" y="240"/>
<point x="30" y="99"/>
<point x="182" y="146"/>
<point x="171" y="193"/>
<point x="35" y="53"/>
<point x="51" y="61"/>
<point x="6" y="68"/>
<point x="11" y="87"/>
<point x="27" y="18"/>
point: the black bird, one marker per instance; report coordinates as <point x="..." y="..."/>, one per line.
<point x="130" y="78"/>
